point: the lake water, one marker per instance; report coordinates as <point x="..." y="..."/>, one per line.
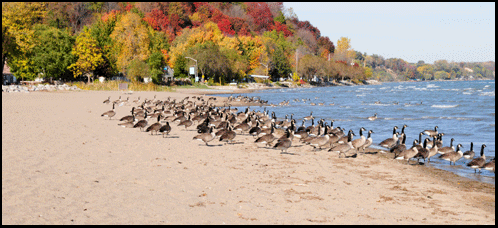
<point x="463" y="110"/>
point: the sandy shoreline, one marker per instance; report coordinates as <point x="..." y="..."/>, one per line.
<point x="62" y="163"/>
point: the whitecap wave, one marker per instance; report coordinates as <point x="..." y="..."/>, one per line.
<point x="444" y="106"/>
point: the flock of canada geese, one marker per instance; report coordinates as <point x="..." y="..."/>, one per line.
<point x="158" y="116"/>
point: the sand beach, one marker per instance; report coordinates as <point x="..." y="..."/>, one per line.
<point x="62" y="163"/>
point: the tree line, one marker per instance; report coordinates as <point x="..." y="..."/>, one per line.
<point x="74" y="40"/>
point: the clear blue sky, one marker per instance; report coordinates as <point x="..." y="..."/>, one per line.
<point x="411" y="31"/>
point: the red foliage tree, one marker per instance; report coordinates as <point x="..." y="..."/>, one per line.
<point x="226" y="27"/>
<point x="261" y="14"/>
<point x="279" y="27"/>
<point x="325" y="42"/>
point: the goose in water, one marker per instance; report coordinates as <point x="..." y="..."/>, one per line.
<point x="490" y="165"/>
<point x="309" y="117"/>
<point x="431" y="132"/>
<point x="469" y="154"/>
<point x="374" y="117"/>
<point x="110" y="113"/>
<point x="390" y="142"/>
<point x="453" y="156"/>
<point x="478" y="163"/>
<point x="447" y="149"/>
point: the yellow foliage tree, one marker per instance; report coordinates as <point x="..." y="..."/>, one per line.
<point x="88" y="53"/>
<point x="344" y="51"/>
<point x="132" y="40"/>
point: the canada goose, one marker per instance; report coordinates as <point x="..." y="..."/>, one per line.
<point x="166" y="128"/>
<point x="154" y="127"/>
<point x="453" y="156"/>
<point x="267" y="130"/>
<point x="245" y="126"/>
<point x="110" y="113"/>
<point x="142" y="123"/>
<point x="129" y="117"/>
<point x="117" y="101"/>
<point x="320" y="140"/>
<point x="431" y="132"/>
<point x="359" y="142"/>
<point x="137" y="101"/>
<point x="423" y="153"/>
<point x="368" y="141"/>
<point x="128" y="124"/>
<point x="439" y="141"/>
<point x="267" y="139"/>
<point x="309" y="117"/>
<point x="469" y="154"/>
<point x="205" y="137"/>
<point x="302" y="127"/>
<point x="343" y="147"/>
<point x="447" y="149"/>
<point x="490" y="165"/>
<point x="374" y="117"/>
<point x="390" y="142"/>
<point x="255" y="131"/>
<point x="399" y="147"/>
<point x="187" y="123"/>
<point x="283" y="145"/>
<point x="107" y="101"/>
<point x="407" y="154"/>
<point x="433" y="151"/>
<point x="420" y="144"/>
<point x="228" y="136"/>
<point x="478" y="163"/>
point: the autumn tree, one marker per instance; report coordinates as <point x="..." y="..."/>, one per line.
<point x="131" y="41"/>
<point x="88" y="55"/>
<point x="52" y="53"/>
<point x="344" y="52"/>
<point x="261" y="15"/>
<point x="18" y="19"/>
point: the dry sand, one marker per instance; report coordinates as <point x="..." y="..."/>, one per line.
<point x="62" y="163"/>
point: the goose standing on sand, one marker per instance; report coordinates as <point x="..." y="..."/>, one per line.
<point x="479" y="162"/>
<point x="431" y="132"/>
<point x="434" y="150"/>
<point x="107" y="101"/>
<point x="110" y="113"/>
<point x="453" y="156"/>
<point x="408" y="154"/>
<point x="283" y="145"/>
<point x="205" y="137"/>
<point x="129" y="117"/>
<point x="128" y="124"/>
<point x="187" y="123"/>
<point x="266" y="139"/>
<point x="343" y="147"/>
<point x="154" y="127"/>
<point x="372" y="118"/>
<point x="359" y="142"/>
<point x="469" y="154"/>
<point x="399" y="147"/>
<point x="423" y="153"/>
<point x="142" y="123"/>
<point x="390" y="142"/>
<point x="228" y="136"/>
<point x="166" y="128"/>
<point x="368" y="141"/>
<point x="447" y="149"/>
<point x="320" y="141"/>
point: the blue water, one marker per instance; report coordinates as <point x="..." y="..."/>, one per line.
<point x="463" y="110"/>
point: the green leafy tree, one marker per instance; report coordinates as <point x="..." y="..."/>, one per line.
<point x="138" y="70"/>
<point x="180" y="68"/>
<point x="52" y="53"/>
<point x="156" y="63"/>
<point x="87" y="52"/>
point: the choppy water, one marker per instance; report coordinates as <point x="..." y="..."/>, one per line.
<point x="463" y="110"/>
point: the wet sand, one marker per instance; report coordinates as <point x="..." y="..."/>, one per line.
<point x="62" y="163"/>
